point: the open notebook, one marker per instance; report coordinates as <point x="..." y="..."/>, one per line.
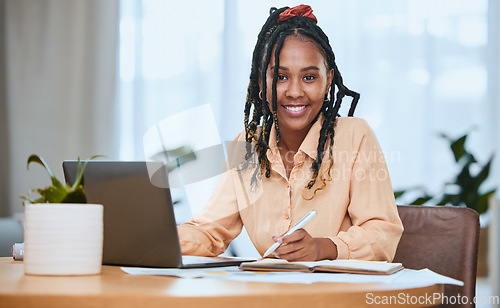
<point x="139" y="222"/>
<point x="335" y="266"/>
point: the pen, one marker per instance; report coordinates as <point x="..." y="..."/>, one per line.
<point x="297" y="226"/>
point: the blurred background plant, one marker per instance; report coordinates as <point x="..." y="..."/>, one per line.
<point x="173" y="159"/>
<point x="465" y="189"/>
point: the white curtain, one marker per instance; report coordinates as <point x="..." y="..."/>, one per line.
<point x="60" y="76"/>
<point x="423" y="67"/>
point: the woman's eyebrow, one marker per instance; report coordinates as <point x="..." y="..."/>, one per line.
<point x="309" y="68"/>
<point x="302" y="69"/>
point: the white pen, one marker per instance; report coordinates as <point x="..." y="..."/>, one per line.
<point x="297" y="226"/>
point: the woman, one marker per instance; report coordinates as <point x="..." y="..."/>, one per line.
<point x="300" y="155"/>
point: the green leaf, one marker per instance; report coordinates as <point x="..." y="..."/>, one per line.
<point x="399" y="193"/>
<point x="458" y="147"/>
<point x="421" y="200"/>
<point x="75" y="196"/>
<point x="28" y="200"/>
<point x="464" y="179"/>
<point x="81" y="171"/>
<point x="448" y="199"/>
<point x="53" y="194"/>
<point x="484" y="201"/>
<point x="37" y="159"/>
<point x="79" y="175"/>
<point x="483" y="174"/>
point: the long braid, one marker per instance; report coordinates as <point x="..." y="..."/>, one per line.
<point x="274" y="34"/>
<point x="267" y="116"/>
<point x="279" y="45"/>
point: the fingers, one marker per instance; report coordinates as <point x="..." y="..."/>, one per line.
<point x="300" y="254"/>
<point x="296" y="246"/>
<point x="291" y="252"/>
<point x="294" y="237"/>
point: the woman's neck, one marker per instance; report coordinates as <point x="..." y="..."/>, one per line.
<point x="290" y="141"/>
<point x="288" y="146"/>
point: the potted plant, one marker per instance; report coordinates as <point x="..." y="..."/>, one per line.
<point x="63" y="235"/>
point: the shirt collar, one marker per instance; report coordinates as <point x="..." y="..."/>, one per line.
<point x="310" y="144"/>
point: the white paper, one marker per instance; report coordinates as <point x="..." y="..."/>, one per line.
<point x="183" y="273"/>
<point x="424" y="277"/>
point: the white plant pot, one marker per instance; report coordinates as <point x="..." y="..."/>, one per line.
<point x="63" y="239"/>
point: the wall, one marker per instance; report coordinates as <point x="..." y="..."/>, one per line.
<point x="4" y="153"/>
<point x="60" y="60"/>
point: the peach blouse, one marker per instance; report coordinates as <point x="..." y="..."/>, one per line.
<point x="356" y="208"/>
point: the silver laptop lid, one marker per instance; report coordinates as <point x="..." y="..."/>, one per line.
<point x="139" y="221"/>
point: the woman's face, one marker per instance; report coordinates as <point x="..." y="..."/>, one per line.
<point x="303" y="81"/>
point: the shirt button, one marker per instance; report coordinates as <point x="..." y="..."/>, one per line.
<point x="287" y="216"/>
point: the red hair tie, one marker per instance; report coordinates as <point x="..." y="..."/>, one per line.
<point x="299" y="10"/>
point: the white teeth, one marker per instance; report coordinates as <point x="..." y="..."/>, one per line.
<point x="295" y="108"/>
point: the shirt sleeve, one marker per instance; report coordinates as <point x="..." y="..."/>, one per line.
<point x="376" y="226"/>
<point x="210" y="232"/>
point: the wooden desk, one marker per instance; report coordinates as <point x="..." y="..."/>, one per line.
<point x="114" y="288"/>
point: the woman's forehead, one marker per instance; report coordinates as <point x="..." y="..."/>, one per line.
<point x="299" y="48"/>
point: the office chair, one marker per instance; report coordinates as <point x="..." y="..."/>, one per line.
<point x="443" y="239"/>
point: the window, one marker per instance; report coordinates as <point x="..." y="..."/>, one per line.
<point x="420" y="71"/>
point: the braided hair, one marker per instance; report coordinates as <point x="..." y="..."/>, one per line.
<point x="274" y="33"/>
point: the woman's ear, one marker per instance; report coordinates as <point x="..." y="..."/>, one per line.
<point x="329" y="79"/>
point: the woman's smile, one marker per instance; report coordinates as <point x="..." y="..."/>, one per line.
<point x="295" y="110"/>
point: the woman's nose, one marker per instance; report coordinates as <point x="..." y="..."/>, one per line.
<point x="294" y="89"/>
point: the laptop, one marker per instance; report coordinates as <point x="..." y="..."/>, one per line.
<point x="139" y="222"/>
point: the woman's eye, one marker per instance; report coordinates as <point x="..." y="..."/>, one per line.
<point x="309" y="77"/>
<point x="281" y="77"/>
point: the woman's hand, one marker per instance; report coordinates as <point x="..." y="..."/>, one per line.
<point x="301" y="246"/>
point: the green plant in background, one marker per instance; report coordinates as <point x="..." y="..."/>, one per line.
<point x="467" y="186"/>
<point x="57" y="192"/>
<point x="176" y="157"/>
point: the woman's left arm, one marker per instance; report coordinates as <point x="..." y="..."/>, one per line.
<point x="376" y="226"/>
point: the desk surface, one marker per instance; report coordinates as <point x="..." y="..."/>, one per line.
<point x="118" y="289"/>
